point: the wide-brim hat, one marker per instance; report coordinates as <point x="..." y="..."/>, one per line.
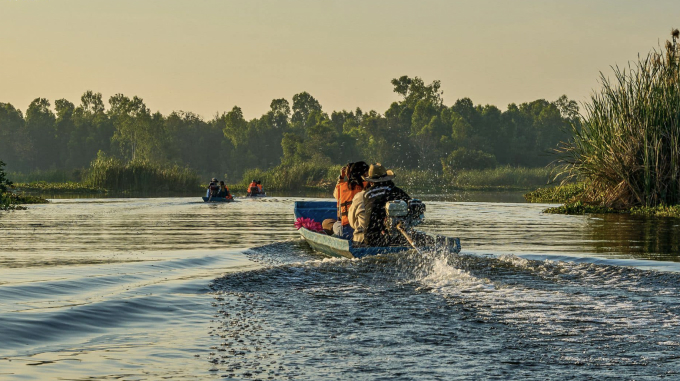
<point x="377" y="173"/>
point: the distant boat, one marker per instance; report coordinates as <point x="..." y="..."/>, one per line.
<point x="217" y="199"/>
<point x="338" y="247"/>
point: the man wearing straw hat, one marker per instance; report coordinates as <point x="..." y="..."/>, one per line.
<point x="367" y="213"/>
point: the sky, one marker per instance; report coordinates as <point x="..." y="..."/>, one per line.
<point x="206" y="56"/>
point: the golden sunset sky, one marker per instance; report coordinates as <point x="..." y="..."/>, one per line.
<point x="206" y="56"/>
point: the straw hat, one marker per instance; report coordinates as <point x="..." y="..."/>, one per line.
<point x="377" y="173"/>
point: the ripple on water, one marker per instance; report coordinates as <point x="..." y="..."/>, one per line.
<point x="444" y="316"/>
<point x="118" y="289"/>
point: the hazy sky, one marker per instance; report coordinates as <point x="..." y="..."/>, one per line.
<point x="206" y="56"/>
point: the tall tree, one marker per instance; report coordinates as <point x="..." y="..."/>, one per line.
<point x="303" y="105"/>
<point x="64" y="128"/>
<point x="14" y="142"/>
<point x="40" y="128"/>
<point x="132" y="123"/>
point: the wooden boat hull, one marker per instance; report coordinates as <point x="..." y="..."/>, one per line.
<point x="337" y="247"/>
<point x="217" y="199"/>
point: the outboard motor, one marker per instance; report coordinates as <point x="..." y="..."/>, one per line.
<point x="397" y="215"/>
<point x="416" y="212"/>
<point x="402" y="217"/>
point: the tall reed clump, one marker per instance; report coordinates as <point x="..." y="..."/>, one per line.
<point x="293" y="177"/>
<point x="139" y="176"/>
<point x="628" y="148"/>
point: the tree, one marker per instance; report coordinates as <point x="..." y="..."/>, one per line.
<point x="414" y="90"/>
<point x="131" y="120"/>
<point x="568" y="108"/>
<point x="40" y="128"/>
<point x="14" y="142"/>
<point x="303" y="105"/>
<point x="92" y="131"/>
<point x="64" y="128"/>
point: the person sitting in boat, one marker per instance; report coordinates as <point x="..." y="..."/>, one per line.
<point x="213" y="188"/>
<point x="329" y="223"/>
<point x="224" y="191"/>
<point x="367" y="212"/>
<point x="347" y="187"/>
<point x="253" y="189"/>
<point x="260" y="187"/>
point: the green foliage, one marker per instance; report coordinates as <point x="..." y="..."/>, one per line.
<point x="657" y="211"/>
<point x="580" y="208"/>
<point x="414" y="133"/>
<point x="10" y="200"/>
<point x="4" y="181"/>
<point x="58" y="187"/>
<point x="293" y="177"/>
<point x="4" y="187"/>
<point x="321" y="177"/>
<point x="463" y="158"/>
<point x="628" y="147"/>
<point x="49" y="176"/>
<point x="502" y="177"/>
<point x="140" y="176"/>
<point x="22" y="198"/>
<point x="565" y="193"/>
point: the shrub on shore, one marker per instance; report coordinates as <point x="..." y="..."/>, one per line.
<point x="11" y="201"/>
<point x="628" y="149"/>
<point x="5" y="197"/>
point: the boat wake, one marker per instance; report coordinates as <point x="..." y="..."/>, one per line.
<point x="439" y="315"/>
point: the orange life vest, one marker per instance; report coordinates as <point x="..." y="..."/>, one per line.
<point x="259" y="186"/>
<point x="345" y="196"/>
<point x="251" y="186"/>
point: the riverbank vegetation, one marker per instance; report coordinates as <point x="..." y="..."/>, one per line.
<point x="139" y="176"/>
<point x="564" y="193"/>
<point x="571" y="195"/>
<point x="112" y="177"/>
<point x="10" y="200"/>
<point x="627" y="147"/>
<point x="55" y="188"/>
<point x="308" y="176"/>
<point x="60" y="141"/>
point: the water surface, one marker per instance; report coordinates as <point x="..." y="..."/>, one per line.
<point x="172" y="288"/>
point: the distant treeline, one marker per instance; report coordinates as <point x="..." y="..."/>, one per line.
<point x="418" y="132"/>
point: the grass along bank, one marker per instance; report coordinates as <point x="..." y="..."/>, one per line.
<point x="110" y="175"/>
<point x="570" y="195"/>
<point x="308" y="176"/>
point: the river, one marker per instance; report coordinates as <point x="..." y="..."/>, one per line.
<point x="172" y="288"/>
